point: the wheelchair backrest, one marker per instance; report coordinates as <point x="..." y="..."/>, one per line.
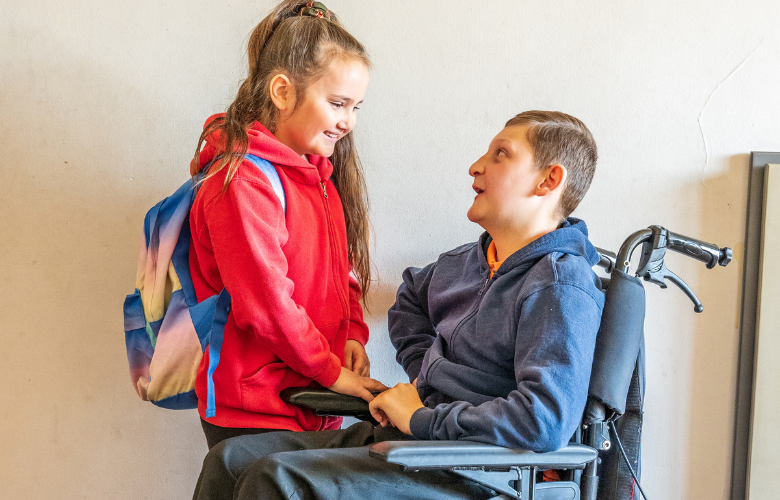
<point x="618" y="344"/>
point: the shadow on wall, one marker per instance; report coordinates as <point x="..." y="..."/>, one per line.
<point x="381" y="298"/>
<point x="380" y="350"/>
<point x="86" y="166"/>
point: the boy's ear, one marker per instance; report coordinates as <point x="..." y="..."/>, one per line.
<point x="282" y="92"/>
<point x="555" y="177"/>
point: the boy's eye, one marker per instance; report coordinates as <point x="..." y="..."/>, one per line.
<point x="501" y="152"/>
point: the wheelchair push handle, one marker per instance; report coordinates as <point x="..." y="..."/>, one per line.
<point x="655" y="240"/>
<point x="708" y="253"/>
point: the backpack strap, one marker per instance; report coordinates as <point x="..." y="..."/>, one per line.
<point x="222" y="307"/>
<point x="273" y="177"/>
<point x="221" y="310"/>
<point x="267" y="168"/>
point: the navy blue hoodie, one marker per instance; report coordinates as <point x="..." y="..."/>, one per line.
<point x="503" y="360"/>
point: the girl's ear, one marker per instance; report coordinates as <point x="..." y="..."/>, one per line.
<point x="282" y="92"/>
<point x="555" y="178"/>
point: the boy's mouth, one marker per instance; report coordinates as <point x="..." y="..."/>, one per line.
<point x="478" y="190"/>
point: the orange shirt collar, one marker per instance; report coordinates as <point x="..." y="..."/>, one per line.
<point x="492" y="258"/>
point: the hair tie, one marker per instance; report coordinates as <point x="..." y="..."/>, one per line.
<point x="316" y="9"/>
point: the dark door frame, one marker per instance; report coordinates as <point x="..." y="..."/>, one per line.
<point x="747" y="335"/>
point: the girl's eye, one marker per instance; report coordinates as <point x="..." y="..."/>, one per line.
<point x="337" y="105"/>
<point x="356" y="108"/>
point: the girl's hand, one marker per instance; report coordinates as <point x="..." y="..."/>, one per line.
<point x="356" y="358"/>
<point x="396" y="407"/>
<point x="352" y="384"/>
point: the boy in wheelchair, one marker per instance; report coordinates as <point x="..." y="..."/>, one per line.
<point x="497" y="338"/>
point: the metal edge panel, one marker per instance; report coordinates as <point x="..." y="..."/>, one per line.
<point x="758" y="162"/>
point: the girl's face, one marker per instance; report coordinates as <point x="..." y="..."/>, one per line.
<point x="328" y="111"/>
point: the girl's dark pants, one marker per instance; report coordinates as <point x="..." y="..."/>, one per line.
<point x="321" y="465"/>
<point x="215" y="434"/>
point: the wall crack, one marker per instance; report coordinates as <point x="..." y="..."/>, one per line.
<point x="717" y="87"/>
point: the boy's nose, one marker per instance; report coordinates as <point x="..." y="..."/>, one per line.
<point x="476" y="168"/>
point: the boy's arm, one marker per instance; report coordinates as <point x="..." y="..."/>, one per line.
<point x="553" y="357"/>
<point x="409" y="322"/>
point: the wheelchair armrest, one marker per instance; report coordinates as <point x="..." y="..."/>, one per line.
<point x="326" y="402"/>
<point x="446" y="454"/>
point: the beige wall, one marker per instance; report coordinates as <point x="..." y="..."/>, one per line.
<point x="101" y="103"/>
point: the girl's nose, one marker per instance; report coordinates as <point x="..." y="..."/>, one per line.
<point x="347" y="122"/>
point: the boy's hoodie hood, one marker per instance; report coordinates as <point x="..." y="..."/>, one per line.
<point x="571" y="238"/>
<point x="264" y="144"/>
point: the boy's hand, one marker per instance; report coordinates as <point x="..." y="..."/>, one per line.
<point x="396" y="407"/>
<point x="356" y="358"/>
<point x="352" y="384"/>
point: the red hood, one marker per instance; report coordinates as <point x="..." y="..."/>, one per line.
<point x="264" y="144"/>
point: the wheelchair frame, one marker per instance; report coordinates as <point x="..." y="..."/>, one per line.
<point x="590" y="462"/>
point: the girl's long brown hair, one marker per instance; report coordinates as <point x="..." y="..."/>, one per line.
<point x="302" y="48"/>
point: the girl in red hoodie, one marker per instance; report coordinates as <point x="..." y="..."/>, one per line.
<point x="295" y="279"/>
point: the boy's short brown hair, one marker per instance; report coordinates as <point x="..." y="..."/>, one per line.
<point x="560" y="138"/>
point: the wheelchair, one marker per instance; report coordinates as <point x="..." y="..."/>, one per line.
<point x="591" y="467"/>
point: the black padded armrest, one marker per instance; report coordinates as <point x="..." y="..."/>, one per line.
<point x="326" y="402"/>
<point x="445" y="454"/>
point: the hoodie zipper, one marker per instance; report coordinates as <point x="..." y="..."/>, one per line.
<point x="484" y="287"/>
<point x="333" y="252"/>
<point x="457" y="329"/>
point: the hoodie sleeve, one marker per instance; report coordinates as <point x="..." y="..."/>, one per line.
<point x="409" y="322"/>
<point x="556" y="337"/>
<point x="358" y="330"/>
<point x="247" y="230"/>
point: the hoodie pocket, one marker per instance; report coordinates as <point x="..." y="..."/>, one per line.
<point x="260" y="391"/>
<point x="465" y="383"/>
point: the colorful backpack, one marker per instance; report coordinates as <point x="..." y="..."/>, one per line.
<point x="166" y="329"/>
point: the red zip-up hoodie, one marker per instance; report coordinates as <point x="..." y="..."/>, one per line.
<point x="294" y="303"/>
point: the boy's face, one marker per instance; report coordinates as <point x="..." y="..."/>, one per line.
<point x="505" y="179"/>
